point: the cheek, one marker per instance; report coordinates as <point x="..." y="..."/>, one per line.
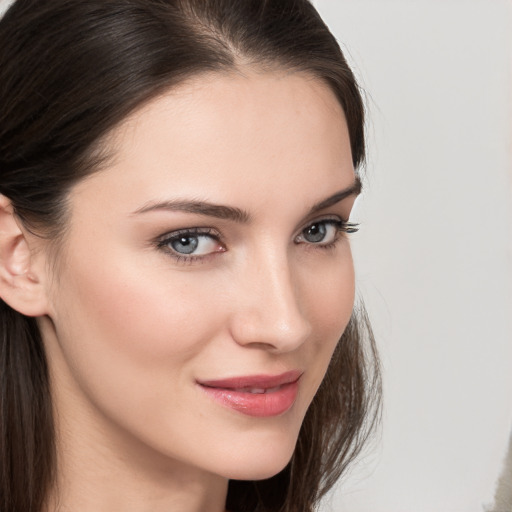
<point x="128" y="326"/>
<point x="329" y="296"/>
<point x="142" y="314"/>
<point x="128" y="341"/>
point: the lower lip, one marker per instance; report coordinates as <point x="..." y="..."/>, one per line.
<point x="256" y="404"/>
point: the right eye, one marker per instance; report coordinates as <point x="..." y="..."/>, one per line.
<point x="191" y="243"/>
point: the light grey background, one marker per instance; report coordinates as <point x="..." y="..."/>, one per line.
<point x="434" y="257"/>
<point x="4" y="4"/>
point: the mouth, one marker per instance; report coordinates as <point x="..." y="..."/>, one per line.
<point x="257" y="395"/>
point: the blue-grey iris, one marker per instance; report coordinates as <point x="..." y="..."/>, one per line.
<point x="315" y="233"/>
<point x="185" y="244"/>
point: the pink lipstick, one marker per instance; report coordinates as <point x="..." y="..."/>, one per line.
<point x="257" y="395"/>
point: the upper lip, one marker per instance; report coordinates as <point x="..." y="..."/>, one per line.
<point x="254" y="381"/>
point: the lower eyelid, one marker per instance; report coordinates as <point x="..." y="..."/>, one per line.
<point x="337" y="224"/>
<point x="164" y="242"/>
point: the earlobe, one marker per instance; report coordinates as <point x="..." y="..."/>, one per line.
<point x="20" y="276"/>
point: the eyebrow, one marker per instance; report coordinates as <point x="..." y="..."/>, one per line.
<point x="353" y="190"/>
<point x="201" y="208"/>
<point x="236" y="214"/>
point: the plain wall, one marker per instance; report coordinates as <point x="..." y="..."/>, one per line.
<point x="434" y="255"/>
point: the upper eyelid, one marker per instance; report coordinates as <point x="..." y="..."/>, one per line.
<point x="163" y="242"/>
<point x="342" y="225"/>
<point x="215" y="233"/>
<point x="192" y="231"/>
<point x="325" y="218"/>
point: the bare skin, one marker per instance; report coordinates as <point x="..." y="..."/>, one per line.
<point x="133" y="322"/>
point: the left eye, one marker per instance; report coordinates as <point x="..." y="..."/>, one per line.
<point x="323" y="232"/>
<point x="191" y="244"/>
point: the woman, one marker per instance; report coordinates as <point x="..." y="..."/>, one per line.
<point x="176" y="182"/>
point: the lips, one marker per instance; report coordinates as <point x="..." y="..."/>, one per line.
<point x="256" y="395"/>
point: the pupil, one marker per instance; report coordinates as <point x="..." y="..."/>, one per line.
<point x="185" y="244"/>
<point x="315" y="233"/>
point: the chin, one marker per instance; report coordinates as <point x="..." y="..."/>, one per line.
<point x="260" y="462"/>
<point x="260" y="470"/>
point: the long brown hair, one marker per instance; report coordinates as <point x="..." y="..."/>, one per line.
<point x="70" y="71"/>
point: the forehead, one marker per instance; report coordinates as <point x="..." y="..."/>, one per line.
<point x="218" y="131"/>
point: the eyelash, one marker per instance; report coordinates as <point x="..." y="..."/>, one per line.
<point x="342" y="227"/>
<point x="163" y="243"/>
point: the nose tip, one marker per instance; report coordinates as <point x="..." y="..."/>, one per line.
<point x="271" y="315"/>
<point x="257" y="331"/>
<point x="270" y="330"/>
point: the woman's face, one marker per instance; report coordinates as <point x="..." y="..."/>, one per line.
<point x="205" y="276"/>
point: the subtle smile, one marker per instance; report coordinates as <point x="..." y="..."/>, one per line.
<point x="258" y="395"/>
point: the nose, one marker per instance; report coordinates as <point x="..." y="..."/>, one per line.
<point x="269" y="313"/>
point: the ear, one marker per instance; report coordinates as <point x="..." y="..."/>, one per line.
<point x="22" y="269"/>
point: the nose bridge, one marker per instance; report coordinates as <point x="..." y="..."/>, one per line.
<point x="272" y="313"/>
